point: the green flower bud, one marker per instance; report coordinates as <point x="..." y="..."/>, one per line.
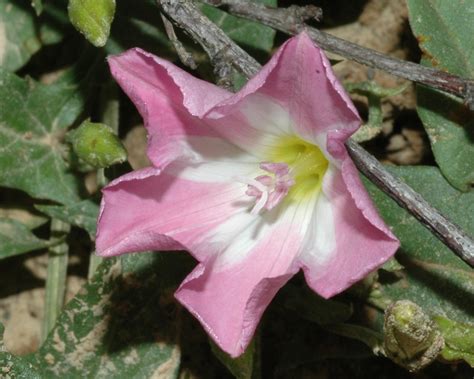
<point x="97" y="145"/>
<point x="92" y="18"/>
<point x="411" y="338"/>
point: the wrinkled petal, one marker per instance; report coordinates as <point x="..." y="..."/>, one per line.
<point x="347" y="239"/>
<point x="170" y="101"/>
<point x="152" y="210"/>
<point x="229" y="296"/>
<point x="296" y="92"/>
<point x="202" y="139"/>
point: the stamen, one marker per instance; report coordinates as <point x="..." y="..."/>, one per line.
<point x="260" y="203"/>
<point x="269" y="190"/>
<point x="295" y="170"/>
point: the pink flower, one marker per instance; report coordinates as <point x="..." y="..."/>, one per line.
<point x="255" y="185"/>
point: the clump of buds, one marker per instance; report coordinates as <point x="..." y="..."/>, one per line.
<point x="411" y="338"/>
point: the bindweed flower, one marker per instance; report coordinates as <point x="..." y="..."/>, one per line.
<point x="255" y="185"/>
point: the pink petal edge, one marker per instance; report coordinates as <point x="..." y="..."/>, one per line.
<point x="229" y="302"/>
<point x="151" y="210"/>
<point x="363" y="242"/>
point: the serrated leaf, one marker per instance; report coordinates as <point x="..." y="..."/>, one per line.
<point x="444" y="31"/>
<point x="458" y="338"/>
<point x="92" y="18"/>
<point x="82" y="214"/>
<point x="33" y="121"/>
<point x="123" y="324"/>
<point x="434" y="277"/>
<point x="248" y="33"/>
<point x="16" y="238"/>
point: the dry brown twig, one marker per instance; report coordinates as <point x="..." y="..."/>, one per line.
<point x="291" y="20"/>
<point x="184" y="56"/>
<point x="224" y="52"/>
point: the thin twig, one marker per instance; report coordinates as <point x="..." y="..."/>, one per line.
<point x="185" y="56"/>
<point x="109" y="110"/>
<point x="448" y="232"/>
<point x="220" y="48"/>
<point x="187" y="16"/>
<point x="292" y="21"/>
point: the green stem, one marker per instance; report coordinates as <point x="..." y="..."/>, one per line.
<point x="94" y="262"/>
<point x="109" y="109"/>
<point x="101" y="178"/>
<point x="56" y="276"/>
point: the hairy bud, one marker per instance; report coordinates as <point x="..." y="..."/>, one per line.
<point x="411" y="338"/>
<point x="97" y="145"/>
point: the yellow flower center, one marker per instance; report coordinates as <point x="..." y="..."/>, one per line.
<point x="306" y="162"/>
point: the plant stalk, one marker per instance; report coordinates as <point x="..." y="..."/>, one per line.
<point x="56" y="276"/>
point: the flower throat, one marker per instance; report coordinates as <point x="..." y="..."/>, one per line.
<point x="294" y="170"/>
<point x="307" y="165"/>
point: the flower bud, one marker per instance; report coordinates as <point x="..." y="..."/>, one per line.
<point x="92" y="18"/>
<point x="411" y="338"/>
<point x="97" y="145"/>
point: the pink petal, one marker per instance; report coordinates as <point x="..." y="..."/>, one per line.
<point x="169" y="99"/>
<point x="361" y="242"/>
<point x="150" y="210"/>
<point x="296" y="92"/>
<point x="297" y="80"/>
<point x="229" y="299"/>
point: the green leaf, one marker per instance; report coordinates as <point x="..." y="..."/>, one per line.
<point x="444" y="30"/>
<point x="18" y="39"/>
<point x="458" y="338"/>
<point x="82" y="214"/>
<point x="123" y="324"/>
<point x="433" y="276"/>
<point x="29" y="219"/>
<point x="33" y="121"/>
<point x="92" y="18"/>
<point x="14" y="367"/>
<point x="246" y="366"/>
<point x="305" y="343"/>
<point x="139" y="24"/>
<point x="38" y="6"/>
<point x="360" y="333"/>
<point x="306" y="304"/>
<point x="22" y="34"/>
<point x="136" y="24"/>
<point x="247" y="33"/>
<point x="374" y="93"/>
<point x="16" y="238"/>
